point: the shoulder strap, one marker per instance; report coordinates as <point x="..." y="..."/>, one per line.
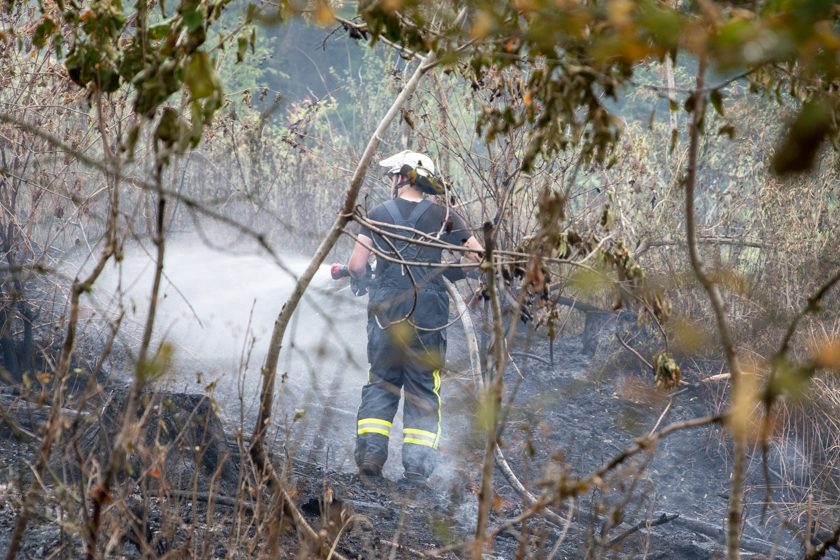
<point x="413" y="218"/>
<point x="406" y="250"/>
<point x="410" y="222"/>
<point x="394" y="211"/>
<point x="418" y="212"/>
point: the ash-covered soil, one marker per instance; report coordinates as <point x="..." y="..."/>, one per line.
<point x="566" y="418"/>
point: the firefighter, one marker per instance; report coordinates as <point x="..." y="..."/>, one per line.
<point x="408" y="309"/>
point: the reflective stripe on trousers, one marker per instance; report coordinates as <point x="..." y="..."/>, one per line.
<point x="374" y="426"/>
<point x="426" y="438"/>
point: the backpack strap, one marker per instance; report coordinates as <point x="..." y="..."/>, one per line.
<point x="413" y="218"/>
<point x="410" y="222"/>
<point x="394" y="211"/>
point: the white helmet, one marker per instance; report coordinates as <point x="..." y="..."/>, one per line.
<point x="419" y="162"/>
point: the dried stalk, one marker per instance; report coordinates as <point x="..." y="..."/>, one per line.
<point x="736" y="494"/>
<point x="102" y="493"/>
<point x="493" y="399"/>
<point x="832" y="541"/>
<point x="644" y="524"/>
<point x="812" y="307"/>
<point x="54" y="422"/>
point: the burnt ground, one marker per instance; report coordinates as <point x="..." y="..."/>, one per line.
<point x="580" y="413"/>
<point x="566" y="418"/>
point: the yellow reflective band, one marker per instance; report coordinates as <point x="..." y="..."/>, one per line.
<point x="418" y="442"/>
<point x="436" y="376"/>
<point x="375" y="421"/>
<point x="422" y="433"/>
<point x="385" y="433"/>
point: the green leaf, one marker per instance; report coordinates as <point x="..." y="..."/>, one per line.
<point x="666" y="371"/>
<point x="803" y="139"/>
<point x="197" y="123"/>
<point x="191" y="14"/>
<point x="85" y="64"/>
<point x="168" y="129"/>
<point x="664" y="25"/>
<point x="213" y="104"/>
<point x="58" y="45"/>
<point x="717" y="101"/>
<point x="131" y="140"/>
<point x="200" y="76"/>
<point x="161" y="30"/>
<point x="132" y="61"/>
<point x="103" y="21"/>
<point x="173" y="131"/>
<point x="43" y="32"/>
<point x="788" y="378"/>
<point x="675" y="136"/>
<point x="149" y="370"/>
<point x="241" y="48"/>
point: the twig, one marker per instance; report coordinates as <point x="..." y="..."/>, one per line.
<point x="644" y="524"/>
<point x="811" y="307"/>
<point x="54" y="421"/>
<point x="101" y="494"/>
<point x="363" y="28"/>
<point x="564" y="532"/>
<point x="399" y="546"/>
<point x="736" y="494"/>
<point x="635" y="353"/>
<point x="661" y="416"/>
<point x="578" y="305"/>
<point x="645" y="245"/>
<point x="718" y="533"/>
<point x="493" y="395"/>
<point x="646" y="442"/>
<point x="114" y="172"/>
<point x="830" y="542"/>
<point x="352" y="518"/>
<point x="475" y="367"/>
<point x="530" y="356"/>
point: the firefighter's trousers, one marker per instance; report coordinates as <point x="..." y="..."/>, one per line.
<point x="401" y="359"/>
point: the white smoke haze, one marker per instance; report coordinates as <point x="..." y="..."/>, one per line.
<point x="217" y="306"/>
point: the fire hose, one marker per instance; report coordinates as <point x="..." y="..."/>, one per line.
<point x="478" y="380"/>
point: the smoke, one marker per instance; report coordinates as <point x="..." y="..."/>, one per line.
<point x="217" y="308"/>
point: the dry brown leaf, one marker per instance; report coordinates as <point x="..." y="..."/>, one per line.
<point x="827" y="355"/>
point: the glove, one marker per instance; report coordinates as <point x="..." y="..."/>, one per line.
<point x="339" y="271"/>
<point x="359" y="286"/>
